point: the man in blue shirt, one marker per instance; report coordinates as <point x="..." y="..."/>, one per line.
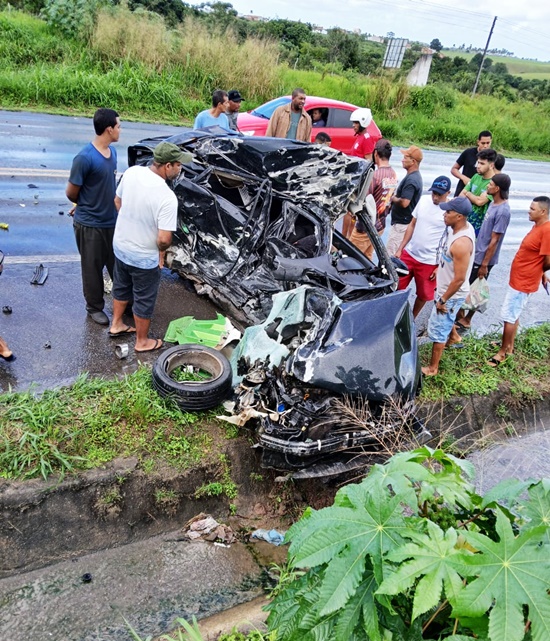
<point x="92" y="186"/>
<point x="216" y="115"/>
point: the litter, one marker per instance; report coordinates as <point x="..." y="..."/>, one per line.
<point x="40" y="275"/>
<point x="205" y="527"/>
<point x="271" y="536"/>
<point x="211" y="333"/>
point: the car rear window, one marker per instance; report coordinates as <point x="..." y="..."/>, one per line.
<point x="266" y="110"/>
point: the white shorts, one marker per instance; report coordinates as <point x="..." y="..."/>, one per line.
<point x="514" y="303"/>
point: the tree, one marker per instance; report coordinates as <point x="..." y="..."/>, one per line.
<point x="436" y="45"/>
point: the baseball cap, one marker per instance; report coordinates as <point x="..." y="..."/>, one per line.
<point x="414" y="152"/>
<point x="166" y="152"/>
<point x="461" y="205"/>
<point x="235" y="96"/>
<point x="441" y="185"/>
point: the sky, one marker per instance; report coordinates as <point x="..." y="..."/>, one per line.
<point x="521" y="27"/>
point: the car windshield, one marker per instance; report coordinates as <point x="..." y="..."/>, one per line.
<point x="266" y="110"/>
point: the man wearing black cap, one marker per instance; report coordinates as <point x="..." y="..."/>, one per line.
<point x="147" y="216"/>
<point x="455" y="261"/>
<point x="418" y="249"/>
<point x="489" y="240"/>
<point x="234" y="105"/>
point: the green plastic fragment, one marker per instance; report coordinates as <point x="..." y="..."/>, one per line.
<point x="204" y="332"/>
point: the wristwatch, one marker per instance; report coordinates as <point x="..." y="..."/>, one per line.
<point x="440" y="301"/>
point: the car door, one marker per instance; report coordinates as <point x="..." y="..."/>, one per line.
<point x="340" y="129"/>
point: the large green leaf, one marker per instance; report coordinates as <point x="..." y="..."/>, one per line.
<point x="363" y="603"/>
<point x="537" y="509"/>
<point x="373" y="530"/>
<point x="510" y="574"/>
<point x="450" y="485"/>
<point x="434" y="559"/>
<point x="506" y="491"/>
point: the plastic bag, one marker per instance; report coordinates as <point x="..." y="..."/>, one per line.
<point x="478" y="298"/>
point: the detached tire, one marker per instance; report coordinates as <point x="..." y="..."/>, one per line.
<point x="193" y="396"/>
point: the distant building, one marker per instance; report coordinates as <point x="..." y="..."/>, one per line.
<point x="253" y="18"/>
<point x="379" y="39"/>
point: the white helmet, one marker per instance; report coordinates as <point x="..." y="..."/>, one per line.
<point x="363" y="116"/>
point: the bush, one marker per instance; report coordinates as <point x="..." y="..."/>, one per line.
<point x="414" y="553"/>
<point x="74" y="18"/>
<point x="431" y="99"/>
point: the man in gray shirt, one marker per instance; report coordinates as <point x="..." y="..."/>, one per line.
<point x="232" y="112"/>
<point x="490" y="238"/>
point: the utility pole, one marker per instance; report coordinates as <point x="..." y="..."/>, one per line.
<point x="483" y="57"/>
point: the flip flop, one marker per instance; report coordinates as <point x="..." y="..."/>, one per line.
<point x="158" y="345"/>
<point x="457" y="346"/>
<point x="494" y="362"/>
<point x="461" y="329"/>
<point x="127" y="330"/>
<point x="11" y="357"/>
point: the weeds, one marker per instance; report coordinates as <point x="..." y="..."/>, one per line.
<point x="138" y="65"/>
<point x="222" y="487"/>
<point x="93" y="422"/>
<point x="465" y="372"/>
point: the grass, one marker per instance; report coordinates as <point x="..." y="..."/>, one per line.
<point x="222" y="487"/>
<point x="465" y="372"/>
<point x="95" y="421"/>
<point x="134" y="63"/>
<point x="516" y="66"/>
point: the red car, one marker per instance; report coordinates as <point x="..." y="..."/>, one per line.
<point x="335" y="114"/>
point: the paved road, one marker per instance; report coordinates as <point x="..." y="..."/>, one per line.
<point x="35" y="158"/>
<point x="34" y="167"/>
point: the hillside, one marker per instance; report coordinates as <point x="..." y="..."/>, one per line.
<point x="532" y="69"/>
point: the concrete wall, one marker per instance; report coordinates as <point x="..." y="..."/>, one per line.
<point x="418" y="75"/>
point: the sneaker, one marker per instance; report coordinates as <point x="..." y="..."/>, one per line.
<point x="100" y="318"/>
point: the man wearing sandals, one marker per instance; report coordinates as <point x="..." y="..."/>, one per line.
<point x="147" y="216"/>
<point x="456" y="257"/>
<point x="529" y="268"/>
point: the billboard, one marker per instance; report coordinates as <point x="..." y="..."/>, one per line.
<point x="395" y="52"/>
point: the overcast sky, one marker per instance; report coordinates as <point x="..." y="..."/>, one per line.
<point x="521" y="27"/>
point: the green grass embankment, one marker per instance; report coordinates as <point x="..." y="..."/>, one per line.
<point x="96" y="420"/>
<point x="135" y="64"/>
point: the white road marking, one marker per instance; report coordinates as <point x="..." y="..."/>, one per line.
<point x="45" y="260"/>
<point x="41" y="172"/>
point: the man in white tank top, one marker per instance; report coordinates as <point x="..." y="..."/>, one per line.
<point x="455" y="261"/>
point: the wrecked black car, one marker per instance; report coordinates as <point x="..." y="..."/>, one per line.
<point x="327" y="329"/>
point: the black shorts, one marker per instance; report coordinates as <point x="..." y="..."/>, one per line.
<point x="475" y="270"/>
<point x="139" y="285"/>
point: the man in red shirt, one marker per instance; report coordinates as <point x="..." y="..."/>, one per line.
<point x="363" y="147"/>
<point x="529" y="268"/>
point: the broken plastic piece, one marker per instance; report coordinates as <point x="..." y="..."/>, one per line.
<point x="47" y="345"/>
<point x="40" y="275"/>
<point x="86" y="578"/>
<point x="7" y="309"/>
<point x="211" y="333"/>
<point x="4" y="226"/>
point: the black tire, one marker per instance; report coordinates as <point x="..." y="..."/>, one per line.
<point x="193" y="396"/>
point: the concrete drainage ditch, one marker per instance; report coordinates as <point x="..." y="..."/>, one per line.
<point x="81" y="556"/>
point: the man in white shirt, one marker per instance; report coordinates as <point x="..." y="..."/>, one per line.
<point x="147" y="216"/>
<point x="418" y="249"/>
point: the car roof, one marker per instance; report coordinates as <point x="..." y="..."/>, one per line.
<point x="328" y="102"/>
